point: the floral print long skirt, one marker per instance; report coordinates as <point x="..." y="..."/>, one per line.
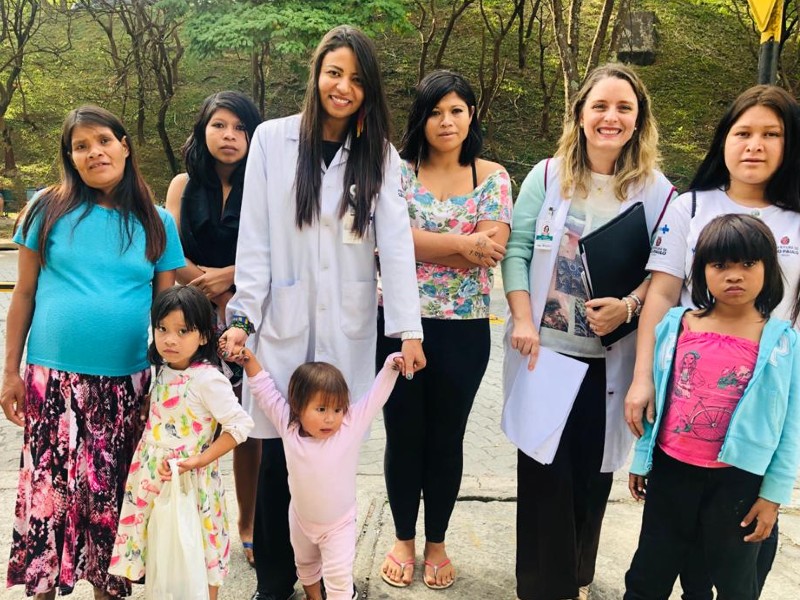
<point x="80" y="435"/>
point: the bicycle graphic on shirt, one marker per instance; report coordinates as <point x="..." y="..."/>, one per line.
<point x="709" y="423"/>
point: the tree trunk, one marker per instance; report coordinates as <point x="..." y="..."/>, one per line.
<point x="425" y="39"/>
<point x="9" y="162"/>
<point x="600" y="35"/>
<point x="455" y="14"/>
<point x="566" y="34"/>
<point x="164" y="137"/>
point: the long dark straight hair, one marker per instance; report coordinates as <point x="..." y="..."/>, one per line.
<point x="435" y="86"/>
<point x="363" y="175"/>
<point x="783" y="188"/>
<point x="200" y="165"/>
<point x="132" y="196"/>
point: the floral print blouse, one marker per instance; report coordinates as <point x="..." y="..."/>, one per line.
<point x="446" y="292"/>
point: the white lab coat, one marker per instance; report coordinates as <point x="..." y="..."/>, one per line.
<point x="310" y="295"/>
<point x="621" y="355"/>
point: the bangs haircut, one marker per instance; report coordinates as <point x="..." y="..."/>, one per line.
<point x="198" y="315"/>
<point x="434" y="86"/>
<point x="200" y="165"/>
<point x="312" y="378"/>
<point x="783" y="188"/>
<point x="737" y="238"/>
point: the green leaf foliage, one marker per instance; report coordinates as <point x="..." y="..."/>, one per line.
<point x="289" y="27"/>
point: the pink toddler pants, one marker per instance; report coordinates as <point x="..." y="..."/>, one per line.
<point x="325" y="551"/>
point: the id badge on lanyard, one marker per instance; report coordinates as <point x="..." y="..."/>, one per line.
<point x="543" y="237"/>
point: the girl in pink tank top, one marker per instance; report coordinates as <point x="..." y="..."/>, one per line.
<point x="720" y="456"/>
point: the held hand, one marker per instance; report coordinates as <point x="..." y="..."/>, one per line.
<point x="765" y="513"/>
<point x="213" y="281"/>
<point x="231" y="342"/>
<point x="248" y="360"/>
<point x="193" y="462"/>
<point x="605" y="314"/>
<point x="12" y="397"/>
<point x="413" y="358"/>
<point x="481" y="249"/>
<point x="525" y="338"/>
<point x="640" y="403"/>
<point x="398" y="364"/>
<point x="637" y="485"/>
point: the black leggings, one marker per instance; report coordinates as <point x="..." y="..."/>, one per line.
<point x="426" y="419"/>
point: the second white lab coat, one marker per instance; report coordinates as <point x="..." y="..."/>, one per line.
<point x="311" y="296"/>
<point x="620" y="356"/>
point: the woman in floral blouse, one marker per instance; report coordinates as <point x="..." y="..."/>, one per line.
<point x="460" y="210"/>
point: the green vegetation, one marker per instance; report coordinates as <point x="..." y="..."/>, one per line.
<point x="706" y="57"/>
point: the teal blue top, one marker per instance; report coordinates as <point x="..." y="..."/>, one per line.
<point x="93" y="296"/>
<point x="764" y="432"/>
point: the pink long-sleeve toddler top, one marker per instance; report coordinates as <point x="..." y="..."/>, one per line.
<point x="322" y="472"/>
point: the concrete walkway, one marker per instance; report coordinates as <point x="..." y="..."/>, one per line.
<point x="482" y="531"/>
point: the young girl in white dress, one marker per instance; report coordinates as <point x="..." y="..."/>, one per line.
<point x="189" y="399"/>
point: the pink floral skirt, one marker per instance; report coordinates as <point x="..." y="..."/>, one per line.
<point x="80" y="435"/>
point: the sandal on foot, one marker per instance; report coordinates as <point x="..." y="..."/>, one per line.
<point x="403" y="564"/>
<point x="436" y="568"/>
<point x="248" y="553"/>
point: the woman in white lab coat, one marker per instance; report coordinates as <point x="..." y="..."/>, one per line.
<point x="321" y="193"/>
<point x="604" y="164"/>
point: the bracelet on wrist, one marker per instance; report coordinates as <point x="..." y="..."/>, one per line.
<point x="629" y="307"/>
<point x="243" y="323"/>
<point x="638" y="308"/>
<point x="412" y="335"/>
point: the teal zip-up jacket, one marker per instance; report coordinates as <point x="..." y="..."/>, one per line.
<point x="764" y="432"/>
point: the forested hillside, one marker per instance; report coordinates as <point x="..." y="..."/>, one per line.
<point x="154" y="61"/>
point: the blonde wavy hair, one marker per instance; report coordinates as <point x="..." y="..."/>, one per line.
<point x="638" y="157"/>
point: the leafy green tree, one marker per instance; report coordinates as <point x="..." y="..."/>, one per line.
<point x="21" y="21"/>
<point x="145" y="48"/>
<point x="267" y="30"/>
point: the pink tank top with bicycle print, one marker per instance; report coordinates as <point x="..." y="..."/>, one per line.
<point x="710" y="375"/>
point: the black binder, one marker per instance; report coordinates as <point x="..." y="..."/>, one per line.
<point x="614" y="258"/>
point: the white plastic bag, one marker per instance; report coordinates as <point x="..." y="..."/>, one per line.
<point x="176" y="564"/>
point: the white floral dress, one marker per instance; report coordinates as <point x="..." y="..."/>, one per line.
<point x="185" y="409"/>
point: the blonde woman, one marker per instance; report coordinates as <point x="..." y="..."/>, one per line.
<point x="605" y="162"/>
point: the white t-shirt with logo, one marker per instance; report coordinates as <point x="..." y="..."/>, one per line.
<point x="673" y="248"/>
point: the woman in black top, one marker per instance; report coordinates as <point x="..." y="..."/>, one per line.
<point x="205" y="203"/>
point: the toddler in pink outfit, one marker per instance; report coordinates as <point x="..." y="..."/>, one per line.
<point x="322" y="434"/>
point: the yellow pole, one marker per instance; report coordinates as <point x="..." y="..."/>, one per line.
<point x="768" y="15"/>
